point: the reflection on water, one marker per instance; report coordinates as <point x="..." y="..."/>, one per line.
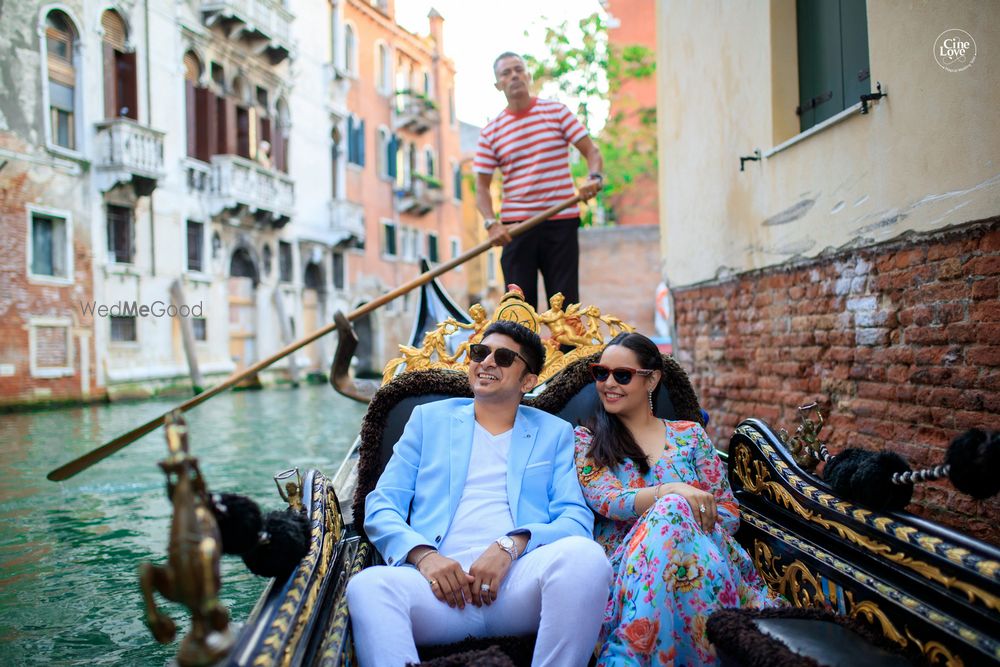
<point x="69" y="552"/>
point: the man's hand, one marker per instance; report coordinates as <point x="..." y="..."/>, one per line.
<point x="448" y="581"/>
<point x="499" y="236"/>
<point x="590" y="189"/>
<point x="489" y="570"/>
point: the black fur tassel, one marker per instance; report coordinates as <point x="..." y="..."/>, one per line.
<point x="284" y="541"/>
<point x="239" y="520"/>
<point x="974" y="462"/>
<point x="867" y="477"/>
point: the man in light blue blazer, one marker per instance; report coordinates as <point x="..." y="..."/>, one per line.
<point x="481" y="522"/>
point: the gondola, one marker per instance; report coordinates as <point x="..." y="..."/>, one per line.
<point x="905" y="588"/>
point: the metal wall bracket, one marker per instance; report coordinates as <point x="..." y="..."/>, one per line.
<point x="872" y="97"/>
<point x="749" y="158"/>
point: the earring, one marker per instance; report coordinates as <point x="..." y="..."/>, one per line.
<point x="651" y="402"/>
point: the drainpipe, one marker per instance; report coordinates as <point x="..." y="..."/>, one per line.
<point x="149" y="116"/>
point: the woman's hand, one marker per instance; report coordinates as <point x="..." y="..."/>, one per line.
<point x="447" y="579"/>
<point x="702" y="503"/>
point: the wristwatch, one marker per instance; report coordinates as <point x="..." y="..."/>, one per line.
<point x="507" y="544"/>
<point x="489" y="222"/>
<point x="597" y="176"/>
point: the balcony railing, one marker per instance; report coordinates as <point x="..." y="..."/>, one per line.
<point x="421" y="196"/>
<point x="347" y="220"/>
<point x="238" y="182"/>
<point x="264" y="22"/>
<point x="414" y="112"/>
<point x="128" y="151"/>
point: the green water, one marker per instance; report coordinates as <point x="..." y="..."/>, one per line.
<point x="69" y="552"/>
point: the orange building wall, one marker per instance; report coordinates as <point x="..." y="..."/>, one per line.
<point x="636" y="24"/>
<point x="376" y="194"/>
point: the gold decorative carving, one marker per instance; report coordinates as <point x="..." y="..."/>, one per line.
<point x="804" y="446"/>
<point x="573" y="333"/>
<point x="756" y="480"/>
<point x="789" y="580"/>
<point x="873" y="613"/>
<point x="936" y="652"/>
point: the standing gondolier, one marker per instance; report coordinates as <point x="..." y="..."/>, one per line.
<point x="529" y="142"/>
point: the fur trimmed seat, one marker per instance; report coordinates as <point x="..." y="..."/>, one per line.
<point x="794" y="637"/>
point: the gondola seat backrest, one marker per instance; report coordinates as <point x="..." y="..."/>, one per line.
<point x="571" y="395"/>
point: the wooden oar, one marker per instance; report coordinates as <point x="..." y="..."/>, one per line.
<point x="81" y="463"/>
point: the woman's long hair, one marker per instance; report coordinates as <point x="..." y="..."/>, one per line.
<point x="613" y="442"/>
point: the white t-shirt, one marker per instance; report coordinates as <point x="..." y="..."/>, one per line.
<point x="483" y="512"/>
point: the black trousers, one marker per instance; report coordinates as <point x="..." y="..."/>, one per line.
<point x="552" y="248"/>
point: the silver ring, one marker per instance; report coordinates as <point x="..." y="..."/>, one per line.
<point x="432" y="582"/>
<point x="702" y="509"/>
<point x="484" y="588"/>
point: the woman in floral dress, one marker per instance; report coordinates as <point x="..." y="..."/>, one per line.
<point x="665" y="516"/>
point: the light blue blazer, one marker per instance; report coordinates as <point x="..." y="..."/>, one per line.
<point x="417" y="495"/>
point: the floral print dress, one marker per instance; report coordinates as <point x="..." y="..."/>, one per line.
<point x="669" y="575"/>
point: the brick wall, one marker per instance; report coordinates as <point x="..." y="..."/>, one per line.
<point x="21" y="299"/>
<point x="619" y="272"/>
<point x="899" y="343"/>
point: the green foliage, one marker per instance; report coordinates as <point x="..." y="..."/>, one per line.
<point x="584" y="71"/>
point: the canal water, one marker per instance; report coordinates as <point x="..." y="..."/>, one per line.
<point x="69" y="552"/>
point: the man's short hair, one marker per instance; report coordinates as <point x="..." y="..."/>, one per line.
<point x="531" y="345"/>
<point x="506" y="54"/>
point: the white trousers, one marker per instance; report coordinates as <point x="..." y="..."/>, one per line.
<point x="558" y="590"/>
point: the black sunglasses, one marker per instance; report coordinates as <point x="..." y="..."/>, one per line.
<point x="503" y="356"/>
<point x="622" y="374"/>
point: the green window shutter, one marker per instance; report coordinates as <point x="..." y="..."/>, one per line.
<point x="854" y="49"/>
<point x="820" y="71"/>
<point x="833" y="57"/>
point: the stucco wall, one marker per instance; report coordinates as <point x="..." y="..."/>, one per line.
<point x="925" y="157"/>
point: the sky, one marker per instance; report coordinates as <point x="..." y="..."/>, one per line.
<point x="476" y="32"/>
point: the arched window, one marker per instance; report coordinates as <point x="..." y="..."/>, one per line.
<point x="196" y="104"/>
<point x="350" y="51"/>
<point x="383" y="69"/>
<point x="121" y="97"/>
<point x="60" y="44"/>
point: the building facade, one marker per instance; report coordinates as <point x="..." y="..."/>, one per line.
<point x="402" y="166"/>
<point x="824" y="247"/>
<point x="185" y="188"/>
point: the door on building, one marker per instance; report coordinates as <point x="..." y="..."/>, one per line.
<point x="313" y="316"/>
<point x="242" y="292"/>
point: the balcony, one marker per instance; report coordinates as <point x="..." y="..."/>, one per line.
<point x="422" y="195"/>
<point x="347" y="221"/>
<point x="265" y="24"/>
<point x="238" y="183"/>
<point x="414" y="112"/>
<point x="128" y="152"/>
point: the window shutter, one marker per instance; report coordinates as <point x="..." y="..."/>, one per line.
<point x="127" y="98"/>
<point x="109" y="82"/>
<point x="351" y="141"/>
<point x="361" y="143"/>
<point x="191" y="118"/>
<point x="821" y="92"/>
<point x="391" y="156"/>
<point x="205" y="123"/>
<point x="854" y="55"/>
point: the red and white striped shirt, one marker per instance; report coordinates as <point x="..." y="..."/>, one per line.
<point x="531" y="149"/>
